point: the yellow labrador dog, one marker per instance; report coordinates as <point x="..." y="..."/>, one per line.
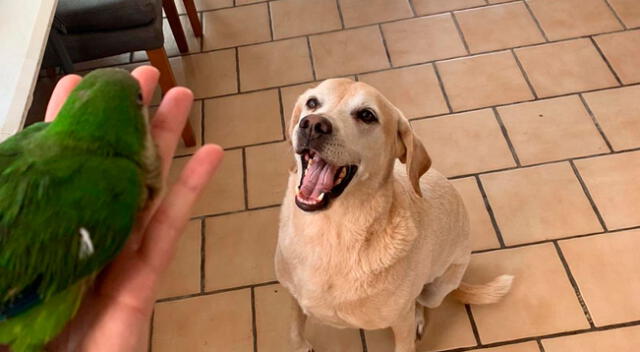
<point x="366" y="242"/>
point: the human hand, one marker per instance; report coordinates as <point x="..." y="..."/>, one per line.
<point x="115" y="314"/>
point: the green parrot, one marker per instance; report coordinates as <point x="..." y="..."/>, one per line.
<point x="70" y="192"/>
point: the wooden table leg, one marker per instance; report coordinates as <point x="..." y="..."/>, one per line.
<point x="193" y="17"/>
<point x="158" y="58"/>
<point x="176" y="27"/>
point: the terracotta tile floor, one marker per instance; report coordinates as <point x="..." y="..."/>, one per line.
<point x="531" y="107"/>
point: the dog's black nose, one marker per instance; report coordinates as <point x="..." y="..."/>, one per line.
<point x="316" y="125"/>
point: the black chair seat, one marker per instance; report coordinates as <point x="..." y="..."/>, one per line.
<point x="82" y="16"/>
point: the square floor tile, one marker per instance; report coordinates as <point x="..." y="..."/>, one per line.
<point x="565" y="67"/>
<point x="424" y="7"/>
<point x="622" y="51"/>
<point x="483" y="236"/>
<point x="628" y="11"/>
<point x="605" y="268"/>
<point x="292" y="17"/>
<point x="346" y="52"/>
<point x="530" y="346"/>
<point x="498" y="27"/>
<point x="274" y="308"/>
<point x="195" y="118"/>
<point x="224" y="193"/>
<point x="561" y="19"/>
<point x="274" y="64"/>
<point x="243" y="119"/>
<point x="618" y="113"/>
<point x="220" y="322"/>
<point x="448" y="327"/>
<point x="183" y="275"/>
<point x="208" y="74"/>
<point x="236" y="26"/>
<point x="289" y="97"/>
<point x="539" y="203"/>
<point x="267" y="173"/>
<point x="612" y="181"/>
<point x="362" y="12"/>
<point x="465" y="143"/>
<point x="483" y="80"/>
<point x="624" y="339"/>
<point x="423" y="39"/>
<point x="414" y="90"/>
<point x="541" y="300"/>
<point x="240" y="248"/>
<point x="551" y="129"/>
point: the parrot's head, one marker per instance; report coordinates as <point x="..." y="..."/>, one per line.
<point x="105" y="111"/>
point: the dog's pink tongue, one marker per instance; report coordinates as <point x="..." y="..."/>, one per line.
<point x="318" y="178"/>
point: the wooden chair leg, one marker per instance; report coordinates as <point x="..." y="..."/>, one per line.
<point x="158" y="58"/>
<point x="52" y="73"/>
<point x="193" y="17"/>
<point x="176" y="27"/>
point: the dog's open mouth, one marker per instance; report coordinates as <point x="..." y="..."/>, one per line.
<point x="321" y="182"/>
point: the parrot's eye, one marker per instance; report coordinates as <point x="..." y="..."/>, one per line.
<point x="139" y="99"/>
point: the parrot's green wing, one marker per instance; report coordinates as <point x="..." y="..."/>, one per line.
<point x="12" y="148"/>
<point x="61" y="239"/>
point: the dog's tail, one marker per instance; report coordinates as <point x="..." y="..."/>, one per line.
<point x="488" y="293"/>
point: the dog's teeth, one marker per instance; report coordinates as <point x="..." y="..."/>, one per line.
<point x="310" y="162"/>
<point x="343" y="173"/>
<point x="321" y="197"/>
<point x="297" y="189"/>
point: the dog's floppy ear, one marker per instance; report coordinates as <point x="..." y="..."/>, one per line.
<point x="411" y="152"/>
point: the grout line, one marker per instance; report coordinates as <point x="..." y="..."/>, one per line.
<point x="238" y="90"/>
<point x="474" y="327"/>
<point x="492" y="216"/>
<point x="244" y="179"/>
<point x="519" y="245"/>
<point x="207" y="216"/>
<point x="595" y="122"/>
<point x="270" y="11"/>
<point x="340" y="14"/>
<point x="282" y="117"/>
<point x="588" y="195"/>
<point x="384" y="44"/>
<point x="150" y="338"/>
<point x="524" y="74"/>
<point x="363" y="340"/>
<point x="202" y="134"/>
<point x="253" y="320"/>
<point x="214" y="292"/>
<point x="203" y="251"/>
<point x="574" y="284"/>
<point x="254" y="145"/>
<point x="505" y="133"/>
<point x="454" y="178"/>
<point x="413" y="8"/>
<point x="540" y="346"/>
<point x="444" y="91"/>
<point x="615" y="14"/>
<point x="606" y="61"/>
<point x="557" y="334"/>
<point x="535" y="19"/>
<point x="313" y="65"/>
<point x="460" y="34"/>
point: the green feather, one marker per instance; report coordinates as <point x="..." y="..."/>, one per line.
<point x="69" y="194"/>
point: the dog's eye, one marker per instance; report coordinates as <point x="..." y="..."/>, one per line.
<point x="313" y="103"/>
<point x="367" y="116"/>
<point x="139" y="99"/>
